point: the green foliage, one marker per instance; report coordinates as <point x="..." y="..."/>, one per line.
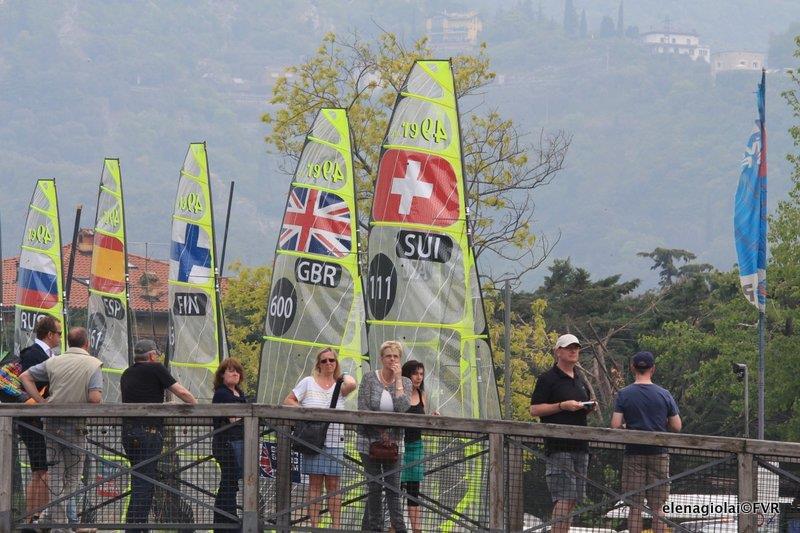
<point x="245" y="305"/>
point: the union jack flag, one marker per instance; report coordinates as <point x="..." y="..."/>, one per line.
<point x="316" y="222"/>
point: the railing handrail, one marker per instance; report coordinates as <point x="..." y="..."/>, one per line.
<point x="178" y="413"/>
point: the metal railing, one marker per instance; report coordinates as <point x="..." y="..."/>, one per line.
<point x="477" y="475"/>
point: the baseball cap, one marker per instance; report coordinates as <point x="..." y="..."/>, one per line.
<point x="144" y="346"/>
<point x="643" y="360"/>
<point x="566" y="340"/>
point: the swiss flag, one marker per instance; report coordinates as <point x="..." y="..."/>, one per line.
<point x="415" y="188"/>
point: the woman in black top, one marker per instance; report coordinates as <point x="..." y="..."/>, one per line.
<point x="228" y="445"/>
<point x="412" y="476"/>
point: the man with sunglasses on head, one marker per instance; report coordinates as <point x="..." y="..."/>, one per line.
<point x="48" y="339"/>
<point x="143" y="438"/>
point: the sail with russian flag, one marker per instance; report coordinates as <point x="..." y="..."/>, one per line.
<point x="40" y="281"/>
<point x="108" y="310"/>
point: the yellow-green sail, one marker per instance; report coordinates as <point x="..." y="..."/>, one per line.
<point x="422" y="284"/>
<point x="196" y="337"/>
<point x="316" y="297"/>
<point x="108" y="312"/>
<point x="40" y="281"/>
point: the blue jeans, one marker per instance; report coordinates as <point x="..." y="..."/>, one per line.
<point x="141" y="443"/>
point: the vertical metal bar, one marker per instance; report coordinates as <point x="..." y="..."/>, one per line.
<point x="225" y="234"/>
<point x="761" y="374"/>
<point x="746" y="403"/>
<point x="71" y="263"/>
<point x="2" y="305"/>
<point x="283" y="498"/>
<point x="746" y="472"/>
<point x="507" y="345"/>
<point x="496" y="482"/>
<point x="250" y="514"/>
<point x="7" y="478"/>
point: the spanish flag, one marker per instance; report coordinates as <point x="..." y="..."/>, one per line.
<point x="108" y="264"/>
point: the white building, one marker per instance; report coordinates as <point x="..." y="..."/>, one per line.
<point x="674" y="42"/>
<point x="737" y="61"/>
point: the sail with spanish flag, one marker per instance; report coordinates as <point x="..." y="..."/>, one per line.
<point x="108" y="310"/>
<point x="197" y="342"/>
<point x="40" y="281"/>
<point x="316" y="299"/>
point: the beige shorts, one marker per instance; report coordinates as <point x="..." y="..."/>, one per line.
<point x="638" y="471"/>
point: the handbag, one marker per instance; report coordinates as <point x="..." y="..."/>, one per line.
<point x="309" y="432"/>
<point x="384" y="450"/>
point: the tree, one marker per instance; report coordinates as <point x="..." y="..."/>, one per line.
<point x="620" y="20"/>
<point x="607" y="29"/>
<point x="664" y="261"/>
<point x="570" y="19"/>
<point x="244" y="303"/>
<point x="502" y="166"/>
<point x="584" y="27"/>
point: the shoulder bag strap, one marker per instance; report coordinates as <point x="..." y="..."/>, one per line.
<point x="336" y="390"/>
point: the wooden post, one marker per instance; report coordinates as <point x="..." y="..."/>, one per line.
<point x="283" y="498"/>
<point x="252" y="450"/>
<point x="496" y="485"/>
<point x="514" y="483"/>
<point x="746" y="475"/>
<point x="7" y="478"/>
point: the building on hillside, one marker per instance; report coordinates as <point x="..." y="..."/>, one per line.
<point x="147" y="284"/>
<point x="454" y="32"/>
<point x="736" y="62"/>
<point x="676" y="42"/>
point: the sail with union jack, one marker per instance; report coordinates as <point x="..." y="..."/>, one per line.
<point x="316" y="299"/>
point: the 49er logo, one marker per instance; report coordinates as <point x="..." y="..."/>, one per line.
<point x="112" y="217"/>
<point x="40" y="234"/>
<point x="190" y="203"/>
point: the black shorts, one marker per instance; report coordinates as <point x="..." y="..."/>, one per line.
<point x="34" y="443"/>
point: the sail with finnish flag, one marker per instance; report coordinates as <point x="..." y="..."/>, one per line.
<point x="197" y="342"/>
<point x="40" y="281"/>
<point x="316" y="299"/>
<point x="108" y="310"/>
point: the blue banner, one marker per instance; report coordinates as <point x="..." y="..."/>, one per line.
<point x="750" y="211"/>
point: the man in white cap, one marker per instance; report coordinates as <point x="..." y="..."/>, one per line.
<point x="562" y="396"/>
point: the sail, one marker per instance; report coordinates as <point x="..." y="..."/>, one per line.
<point x="108" y="311"/>
<point x="196" y="338"/>
<point x="316" y="297"/>
<point x="40" y="281"/>
<point x="422" y="282"/>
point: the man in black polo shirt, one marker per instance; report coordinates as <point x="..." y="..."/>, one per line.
<point x="560" y="397"/>
<point x="143" y="438"/>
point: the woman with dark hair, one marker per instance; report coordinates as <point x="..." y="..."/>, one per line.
<point x="228" y="445"/>
<point x="317" y="390"/>
<point x="411" y="476"/>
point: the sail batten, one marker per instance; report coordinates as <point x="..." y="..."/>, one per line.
<point x="196" y="335"/>
<point x="108" y="309"/>
<point x="316" y="298"/>
<point x="40" y="281"/>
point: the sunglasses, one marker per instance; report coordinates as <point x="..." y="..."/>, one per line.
<point x="57" y="332"/>
<point x="323" y="361"/>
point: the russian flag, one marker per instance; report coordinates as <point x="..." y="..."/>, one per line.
<point x="108" y="264"/>
<point x="37" y="285"/>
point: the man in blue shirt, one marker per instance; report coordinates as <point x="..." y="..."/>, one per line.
<point x="645" y="406"/>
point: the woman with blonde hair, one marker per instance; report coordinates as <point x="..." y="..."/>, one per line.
<point x="381" y="448"/>
<point x="317" y="390"/>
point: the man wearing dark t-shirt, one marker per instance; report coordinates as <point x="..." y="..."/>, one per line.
<point x="142" y="438"/>
<point x="645" y="406"/>
<point x="562" y="396"/>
